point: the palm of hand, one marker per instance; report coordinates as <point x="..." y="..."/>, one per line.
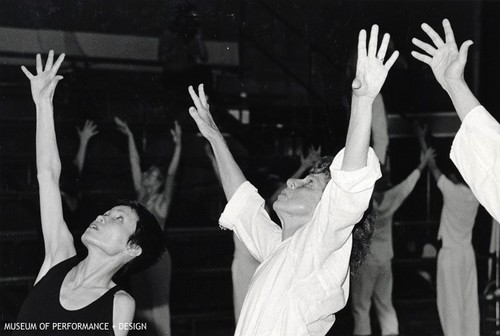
<point x="371" y="74"/>
<point x="86" y="134"/>
<point x="40" y="85"/>
<point x="206" y="123"/>
<point x="445" y="63"/>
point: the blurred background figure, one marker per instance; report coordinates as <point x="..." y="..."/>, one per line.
<point x="154" y="189"/>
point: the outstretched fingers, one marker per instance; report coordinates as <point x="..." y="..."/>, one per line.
<point x="195" y="98"/>
<point x="27" y="72"/>
<point x="58" y="63"/>
<point x="203" y="96"/>
<point x="50" y="61"/>
<point x="383" y="47"/>
<point x="421" y="57"/>
<point x="438" y="41"/>
<point x="424" y="46"/>
<point x="39" y="68"/>
<point x="362" y="44"/>
<point x="448" y="32"/>
<point x="390" y="62"/>
<point x="372" y="44"/>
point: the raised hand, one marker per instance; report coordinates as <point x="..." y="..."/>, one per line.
<point x="444" y="58"/>
<point x="371" y="71"/>
<point x="43" y="84"/>
<point x="176" y="133"/>
<point x="429" y="155"/>
<point x="313" y="155"/>
<point x="122" y="126"/>
<point x="87" y="131"/>
<point x="201" y="113"/>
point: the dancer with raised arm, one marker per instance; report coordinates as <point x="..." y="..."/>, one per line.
<point x="374" y="279"/>
<point x="457" y="298"/>
<point x="303" y="279"/>
<point x="79" y="294"/>
<point x="476" y="147"/>
<point x="154" y="189"/>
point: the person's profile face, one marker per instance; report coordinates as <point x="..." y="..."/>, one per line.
<point x="301" y="196"/>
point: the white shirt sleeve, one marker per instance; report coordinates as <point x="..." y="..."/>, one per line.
<point x="476" y="153"/>
<point x="328" y="234"/>
<point x="344" y="201"/>
<point x="246" y="216"/>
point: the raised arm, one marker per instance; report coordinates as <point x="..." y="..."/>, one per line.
<point x="57" y="238"/>
<point x="85" y="133"/>
<point x="448" y="64"/>
<point x="229" y="171"/>
<point x="394" y="197"/>
<point x="431" y="162"/>
<point x="380" y="134"/>
<point x="371" y="73"/>
<point x="135" y="160"/>
<point x="430" y="153"/>
<point x="172" y="168"/>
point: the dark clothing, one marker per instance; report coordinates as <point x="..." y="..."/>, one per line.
<point x="43" y="308"/>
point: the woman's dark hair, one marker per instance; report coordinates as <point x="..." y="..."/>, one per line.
<point x="148" y="236"/>
<point x="362" y="232"/>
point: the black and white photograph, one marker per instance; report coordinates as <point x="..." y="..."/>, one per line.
<point x="250" y="167"/>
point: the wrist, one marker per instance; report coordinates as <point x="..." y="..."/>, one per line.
<point x="216" y="138"/>
<point x="455" y="86"/>
<point x="43" y="104"/>
<point x="362" y="100"/>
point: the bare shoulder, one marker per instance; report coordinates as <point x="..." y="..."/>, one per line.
<point x="123" y="311"/>
<point x="124" y="299"/>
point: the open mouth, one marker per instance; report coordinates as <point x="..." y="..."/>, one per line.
<point x="94" y="227"/>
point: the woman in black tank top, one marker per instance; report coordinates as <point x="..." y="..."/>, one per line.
<point x="73" y="297"/>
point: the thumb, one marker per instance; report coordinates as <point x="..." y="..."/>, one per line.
<point x="464" y="50"/>
<point x="356" y="84"/>
<point x="194" y="113"/>
<point x="54" y="82"/>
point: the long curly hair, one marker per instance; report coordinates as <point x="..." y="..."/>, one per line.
<point x="363" y="230"/>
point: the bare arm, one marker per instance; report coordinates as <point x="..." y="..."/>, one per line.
<point x="448" y="64"/>
<point x="57" y="238"/>
<point x="85" y="134"/>
<point x="371" y="73"/>
<point x="380" y="135"/>
<point x="135" y="160"/>
<point x="172" y="168"/>
<point x="123" y="312"/>
<point x="229" y="171"/>
<point x="431" y="162"/>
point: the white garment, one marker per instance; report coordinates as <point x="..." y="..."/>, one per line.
<point x="457" y="298"/>
<point x="374" y="279"/>
<point x="476" y="153"/>
<point x="303" y="280"/>
<point x="242" y="271"/>
<point x="458" y="215"/>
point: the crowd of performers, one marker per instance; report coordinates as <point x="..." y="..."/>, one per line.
<point x="334" y="238"/>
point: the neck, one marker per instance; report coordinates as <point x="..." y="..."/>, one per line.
<point x="96" y="270"/>
<point x="290" y="224"/>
